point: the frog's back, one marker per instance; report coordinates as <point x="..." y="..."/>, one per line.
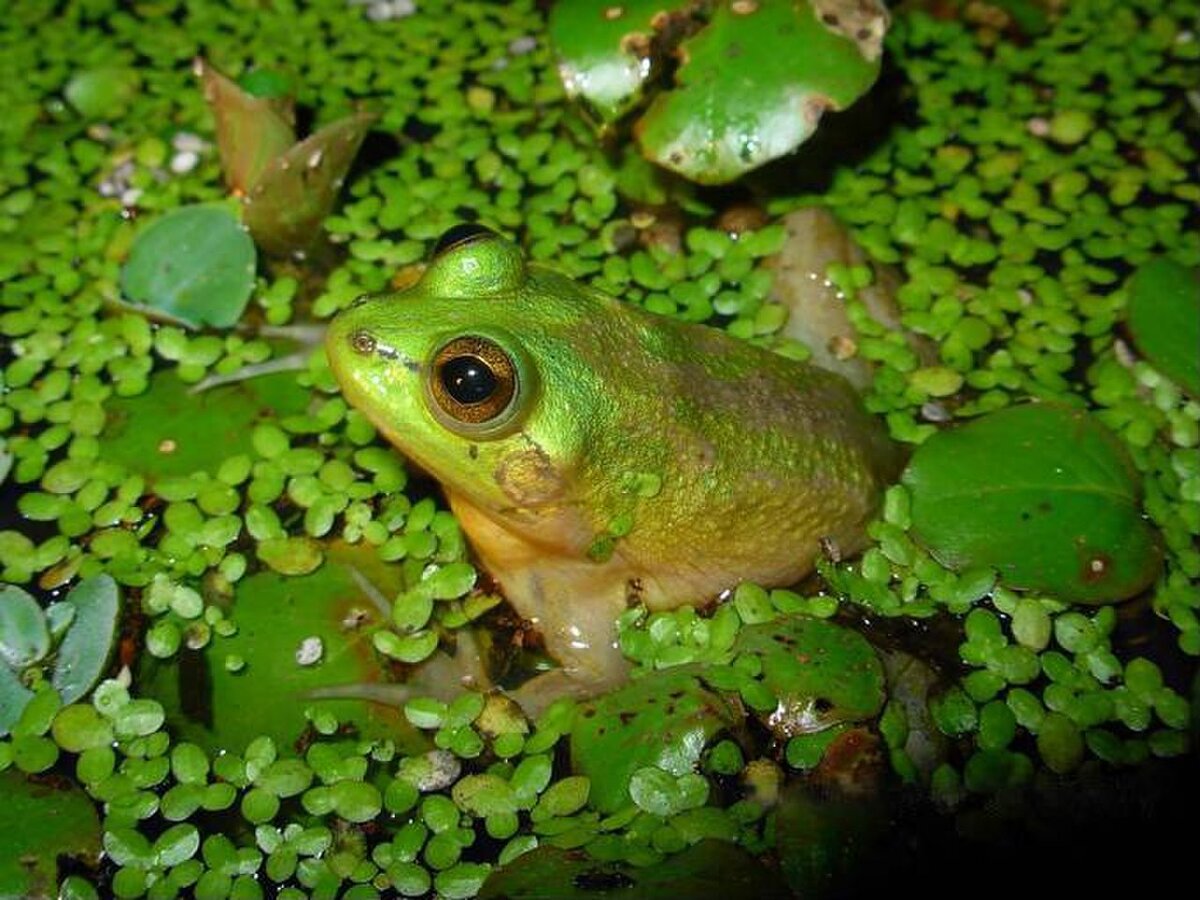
<point x="757" y="458"/>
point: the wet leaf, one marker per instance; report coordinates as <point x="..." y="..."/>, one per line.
<point x="252" y="129"/>
<point x="24" y="635"/>
<point x="752" y="82"/>
<point x="1164" y="318"/>
<point x="663" y="720"/>
<point x="1042" y="493"/>
<point x="194" y="264"/>
<point x="821" y="674"/>
<point x="296" y="190"/>
<point x="752" y="88"/>
<point x="39" y="822"/>
<point x="85" y="649"/>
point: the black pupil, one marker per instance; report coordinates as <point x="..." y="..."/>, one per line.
<point x="456" y="235"/>
<point x="468" y="379"/>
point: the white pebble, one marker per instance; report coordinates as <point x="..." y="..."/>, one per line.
<point x="310" y="651"/>
<point x="184" y="161"/>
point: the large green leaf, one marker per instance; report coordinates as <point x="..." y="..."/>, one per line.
<point x="171" y="431"/>
<point x="751" y="83"/>
<point x="752" y="87"/>
<point x="221" y="708"/>
<point x="194" y="264"/>
<point x="39" y="822"/>
<point x="1042" y="493"/>
<point x="1164" y="318"/>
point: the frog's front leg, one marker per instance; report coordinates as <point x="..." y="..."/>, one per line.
<point x="575" y="609"/>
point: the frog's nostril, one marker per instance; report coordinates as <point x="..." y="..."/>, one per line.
<point x="359" y="300"/>
<point x="362" y="342"/>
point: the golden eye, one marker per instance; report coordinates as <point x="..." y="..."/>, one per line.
<point x="474" y="381"/>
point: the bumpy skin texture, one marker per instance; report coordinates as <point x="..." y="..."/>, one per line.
<point x="745" y="460"/>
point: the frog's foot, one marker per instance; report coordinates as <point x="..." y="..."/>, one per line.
<point x="443" y="676"/>
<point x="817" y="314"/>
<point x="540" y="691"/>
<point x="308" y="337"/>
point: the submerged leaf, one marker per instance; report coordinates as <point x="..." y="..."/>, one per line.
<point x="195" y="264"/>
<point x="39" y="822"/>
<point x="1042" y="493"/>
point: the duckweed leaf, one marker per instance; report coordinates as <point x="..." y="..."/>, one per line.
<point x="1164" y="318"/>
<point x="297" y="189"/>
<point x="1042" y="493"/>
<point x="194" y="264"/>
<point x="252" y="129"/>
<point x="88" y="643"/>
<point x="663" y="720"/>
<point x="24" y="635"/>
<point x="102" y="93"/>
<point x="39" y="822"/>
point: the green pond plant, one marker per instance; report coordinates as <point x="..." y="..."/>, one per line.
<point x="719" y="88"/>
<point x="235" y="625"/>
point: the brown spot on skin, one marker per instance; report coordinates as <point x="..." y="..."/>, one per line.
<point x="853" y="763"/>
<point x="473" y="451"/>
<point x="528" y="477"/>
<point x="626" y="717"/>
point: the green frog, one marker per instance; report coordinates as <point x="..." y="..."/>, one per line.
<point x="598" y="455"/>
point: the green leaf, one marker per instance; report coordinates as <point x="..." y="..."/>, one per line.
<point x="753" y="86"/>
<point x="1164" y="318"/>
<point x="1042" y="493"/>
<point x="24" y="635"/>
<point x="102" y="93"/>
<point x="632" y="728"/>
<point x="194" y="264"/>
<point x="14" y="697"/>
<point x="85" y="649"/>
<point x="296" y="191"/>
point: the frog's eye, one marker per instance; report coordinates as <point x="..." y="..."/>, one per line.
<point x="459" y="236"/>
<point x="474" y="381"/>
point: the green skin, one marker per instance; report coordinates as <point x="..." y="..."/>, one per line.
<point x="641" y="459"/>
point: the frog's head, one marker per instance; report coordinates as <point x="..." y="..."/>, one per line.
<point x="471" y="372"/>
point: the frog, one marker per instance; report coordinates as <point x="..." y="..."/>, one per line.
<point x="600" y="456"/>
